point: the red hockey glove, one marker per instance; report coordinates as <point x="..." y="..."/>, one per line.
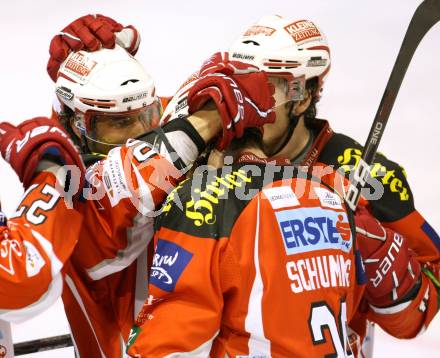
<point x="24" y="146"/>
<point x="90" y="33"/>
<point x="242" y="100"/>
<point x="220" y="63"/>
<point x="390" y="266"/>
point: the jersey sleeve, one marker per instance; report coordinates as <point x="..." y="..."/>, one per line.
<point x="185" y="298"/>
<point x="126" y="192"/>
<point x="422" y="237"/>
<point x="34" y="247"/>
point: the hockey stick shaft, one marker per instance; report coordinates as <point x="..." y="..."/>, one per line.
<point x="43" y="344"/>
<point x="6" y="347"/>
<point x="426" y="15"/>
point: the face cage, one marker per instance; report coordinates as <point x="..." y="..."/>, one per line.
<point x="87" y="124"/>
<point x="295" y="86"/>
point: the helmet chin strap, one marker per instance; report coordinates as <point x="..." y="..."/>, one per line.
<point x="293" y="123"/>
<point x="82" y="130"/>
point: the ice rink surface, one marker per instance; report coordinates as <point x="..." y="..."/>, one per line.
<point x="178" y="35"/>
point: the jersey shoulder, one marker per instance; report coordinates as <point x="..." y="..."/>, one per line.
<point x="208" y="204"/>
<point x="344" y="153"/>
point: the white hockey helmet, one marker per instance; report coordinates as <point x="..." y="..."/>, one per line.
<point x="282" y="47"/>
<point x="108" y="84"/>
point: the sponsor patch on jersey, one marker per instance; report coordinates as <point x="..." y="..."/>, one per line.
<point x="390" y="177"/>
<point x="34" y="260"/>
<point x="113" y="177"/>
<point x="328" y="199"/>
<point x="169" y="261"/>
<point x="312" y="229"/>
<point x="201" y="208"/>
<point x="281" y="197"/>
<point x="302" y="31"/>
<point x="132" y="336"/>
<point x="10" y="250"/>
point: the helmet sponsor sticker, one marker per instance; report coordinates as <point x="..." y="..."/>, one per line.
<point x="243" y="56"/>
<point x="281" y="197"/>
<point x="135" y="97"/>
<point x="312" y="229"/>
<point x="79" y="65"/>
<point x="64" y="93"/>
<point x="259" y="30"/>
<point x="302" y="31"/>
<point x="328" y="199"/>
<point x="317" y="62"/>
<point x="169" y="261"/>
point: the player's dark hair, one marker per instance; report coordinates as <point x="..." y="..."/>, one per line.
<point x="310" y="112"/>
<point x="66" y="118"/>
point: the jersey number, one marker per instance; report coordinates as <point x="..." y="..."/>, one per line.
<point x="34" y="211"/>
<point x="322" y="318"/>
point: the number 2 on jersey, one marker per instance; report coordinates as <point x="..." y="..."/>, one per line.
<point x="322" y="318"/>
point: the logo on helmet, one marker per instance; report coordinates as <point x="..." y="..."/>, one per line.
<point x="316" y="62"/>
<point x="64" y="93"/>
<point x="242" y="56"/>
<point x="302" y="31"/>
<point x="259" y="30"/>
<point x="79" y="65"/>
<point x="135" y="97"/>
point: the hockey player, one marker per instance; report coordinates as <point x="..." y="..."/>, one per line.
<point x="296" y="56"/>
<point x="104" y="98"/>
<point x="272" y="273"/>
<point x="45" y="242"/>
<point x="300" y="49"/>
<point x="107" y="97"/>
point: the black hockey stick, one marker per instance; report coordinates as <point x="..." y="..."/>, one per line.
<point x="43" y="344"/>
<point x="425" y="17"/>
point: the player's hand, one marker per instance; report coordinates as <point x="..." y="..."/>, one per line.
<point x="217" y="63"/>
<point x="391" y="269"/>
<point x="24" y="146"/>
<point x="242" y="100"/>
<point x="220" y="63"/>
<point x="90" y="33"/>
